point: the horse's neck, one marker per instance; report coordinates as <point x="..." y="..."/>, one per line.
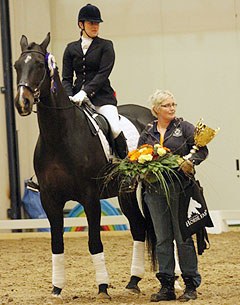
<point x="54" y="95"/>
<point x="55" y="114"/>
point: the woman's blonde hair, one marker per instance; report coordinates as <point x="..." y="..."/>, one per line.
<point x="157" y="98"/>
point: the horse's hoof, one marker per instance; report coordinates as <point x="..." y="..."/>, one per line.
<point x="133" y="288"/>
<point x="56" y="299"/>
<point x="134" y="291"/>
<point x="103" y="296"/>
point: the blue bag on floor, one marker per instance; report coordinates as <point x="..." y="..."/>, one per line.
<point x="32" y="203"/>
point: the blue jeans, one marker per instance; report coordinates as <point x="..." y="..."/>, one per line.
<point x="166" y="226"/>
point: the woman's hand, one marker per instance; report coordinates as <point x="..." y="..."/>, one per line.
<point x="187" y="167"/>
<point x="79" y="97"/>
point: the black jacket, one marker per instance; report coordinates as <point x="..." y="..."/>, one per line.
<point x="178" y="138"/>
<point x="91" y="70"/>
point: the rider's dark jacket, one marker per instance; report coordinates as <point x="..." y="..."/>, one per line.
<point x="179" y="138"/>
<point x="91" y="70"/>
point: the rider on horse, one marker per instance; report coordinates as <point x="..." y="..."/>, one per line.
<point x="91" y="59"/>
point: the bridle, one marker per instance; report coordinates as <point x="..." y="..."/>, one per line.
<point x="34" y="91"/>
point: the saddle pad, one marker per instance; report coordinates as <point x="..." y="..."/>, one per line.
<point x="130" y="132"/>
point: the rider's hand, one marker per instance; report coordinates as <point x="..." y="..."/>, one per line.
<point x="187" y="167"/>
<point x="79" y="97"/>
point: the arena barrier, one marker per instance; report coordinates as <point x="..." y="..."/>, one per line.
<point x="68" y="222"/>
<point x="107" y="209"/>
<point x="221" y="219"/>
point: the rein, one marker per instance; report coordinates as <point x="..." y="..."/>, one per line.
<point x="57" y="108"/>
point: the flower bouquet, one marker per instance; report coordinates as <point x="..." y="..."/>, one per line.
<point x="148" y="164"/>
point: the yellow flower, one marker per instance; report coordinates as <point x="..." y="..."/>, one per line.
<point x="143" y="158"/>
<point x="161" y="151"/>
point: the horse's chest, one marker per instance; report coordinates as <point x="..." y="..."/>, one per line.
<point x="54" y="173"/>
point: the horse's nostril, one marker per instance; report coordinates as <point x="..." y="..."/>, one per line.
<point x="26" y="103"/>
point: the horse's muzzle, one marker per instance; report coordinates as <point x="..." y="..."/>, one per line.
<point x="24" y="101"/>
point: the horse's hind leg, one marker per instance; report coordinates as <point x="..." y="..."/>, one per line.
<point x="93" y="213"/>
<point x="129" y="206"/>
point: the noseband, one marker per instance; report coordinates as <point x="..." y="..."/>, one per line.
<point x="35" y="91"/>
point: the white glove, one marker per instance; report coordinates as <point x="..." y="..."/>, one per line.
<point x="79" y="97"/>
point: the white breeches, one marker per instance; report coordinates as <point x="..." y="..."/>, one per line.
<point x="111" y="114"/>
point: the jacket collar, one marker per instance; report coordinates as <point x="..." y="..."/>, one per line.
<point x="174" y="123"/>
<point x="92" y="46"/>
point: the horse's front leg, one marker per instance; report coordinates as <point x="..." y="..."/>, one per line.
<point x="54" y="211"/>
<point x="93" y="213"/>
<point x="129" y="206"/>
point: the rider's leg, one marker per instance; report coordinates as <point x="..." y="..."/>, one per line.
<point x="111" y="114"/>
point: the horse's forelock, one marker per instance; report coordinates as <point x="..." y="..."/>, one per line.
<point x="31" y="45"/>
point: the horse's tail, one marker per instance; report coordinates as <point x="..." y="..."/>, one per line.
<point x="150" y="234"/>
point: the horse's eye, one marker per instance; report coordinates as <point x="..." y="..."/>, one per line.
<point x="40" y="65"/>
<point x="16" y="65"/>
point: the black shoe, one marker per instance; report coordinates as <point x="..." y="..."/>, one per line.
<point x="164" y="294"/>
<point x="188" y="295"/>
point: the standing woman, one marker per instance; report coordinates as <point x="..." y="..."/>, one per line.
<point x="90" y="61"/>
<point x="177" y="135"/>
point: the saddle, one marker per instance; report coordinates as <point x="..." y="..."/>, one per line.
<point x="100" y="121"/>
<point x="99" y="126"/>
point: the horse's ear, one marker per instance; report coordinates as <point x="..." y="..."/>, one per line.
<point x="23" y="42"/>
<point x="45" y="42"/>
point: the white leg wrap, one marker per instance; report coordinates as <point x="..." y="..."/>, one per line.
<point x="138" y="259"/>
<point x="58" y="271"/>
<point x="100" y="267"/>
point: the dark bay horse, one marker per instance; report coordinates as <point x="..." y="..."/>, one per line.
<point x="67" y="160"/>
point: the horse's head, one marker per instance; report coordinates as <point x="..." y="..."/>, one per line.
<point x="31" y="74"/>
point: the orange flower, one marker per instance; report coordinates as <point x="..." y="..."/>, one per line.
<point x="144" y="149"/>
<point x="132" y="153"/>
<point x="147" y="151"/>
<point x="145" y="145"/>
<point x="135" y="156"/>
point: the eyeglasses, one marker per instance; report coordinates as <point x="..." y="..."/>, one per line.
<point x="169" y="105"/>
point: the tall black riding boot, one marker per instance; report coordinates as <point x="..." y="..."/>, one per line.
<point x="190" y="292"/>
<point x="166" y="292"/>
<point x="120" y="146"/>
